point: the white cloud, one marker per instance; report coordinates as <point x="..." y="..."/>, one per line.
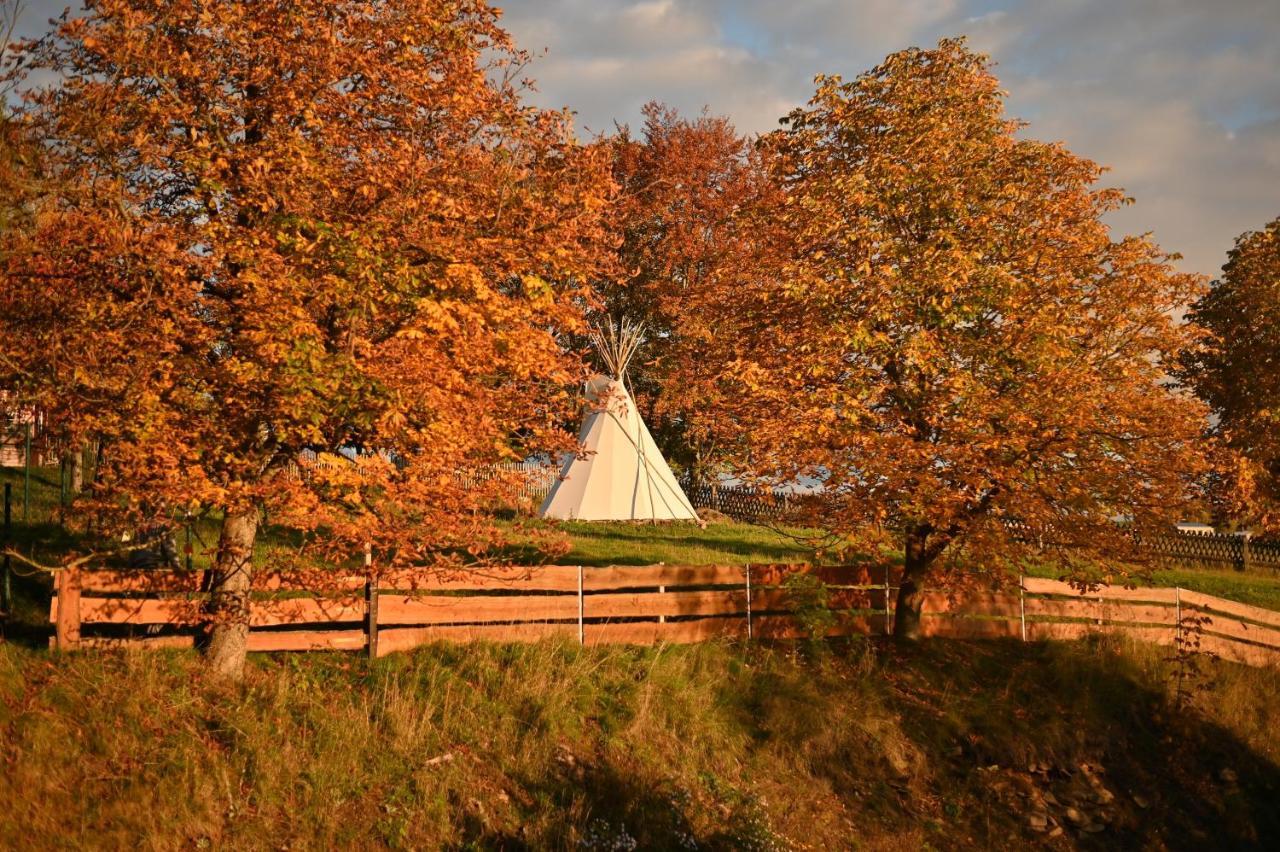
<point x="1177" y="97"/>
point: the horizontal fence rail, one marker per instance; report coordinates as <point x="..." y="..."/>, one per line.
<point x="398" y="610"/>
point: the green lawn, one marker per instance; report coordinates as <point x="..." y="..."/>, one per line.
<point x="736" y="543"/>
<point x="1258" y="588"/>
<point x="44" y="492"/>
<point x="681" y="544"/>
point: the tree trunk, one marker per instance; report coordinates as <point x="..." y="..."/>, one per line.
<point x="229" y="603"/>
<point x="916" y="563"/>
<point x="75" y="470"/>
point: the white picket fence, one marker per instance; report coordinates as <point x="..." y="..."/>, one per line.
<point x="533" y="480"/>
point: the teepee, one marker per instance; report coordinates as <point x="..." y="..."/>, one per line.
<point x="619" y="473"/>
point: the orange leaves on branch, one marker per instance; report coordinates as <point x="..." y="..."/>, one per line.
<point x="1235" y="368"/>
<point x="295" y="225"/>
<point x="953" y="340"/>
<point x="692" y="212"/>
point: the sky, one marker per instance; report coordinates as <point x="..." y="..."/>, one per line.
<point x="1179" y="98"/>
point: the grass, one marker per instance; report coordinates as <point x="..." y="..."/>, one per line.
<point x="681" y="543"/>
<point x="739" y="543"/>
<point x="1258" y="587"/>
<point x="717" y="746"/>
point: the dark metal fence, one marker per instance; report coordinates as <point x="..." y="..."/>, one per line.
<point x="1217" y="549"/>
<point x="739" y="502"/>
<point x="1214" y="550"/>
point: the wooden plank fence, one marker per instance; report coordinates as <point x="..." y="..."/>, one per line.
<point x="380" y="613"/>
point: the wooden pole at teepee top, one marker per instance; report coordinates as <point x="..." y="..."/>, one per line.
<point x="617" y="344"/>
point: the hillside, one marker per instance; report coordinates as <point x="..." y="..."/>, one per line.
<point x="953" y="745"/>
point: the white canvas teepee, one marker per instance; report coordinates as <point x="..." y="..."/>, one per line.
<point x="620" y="475"/>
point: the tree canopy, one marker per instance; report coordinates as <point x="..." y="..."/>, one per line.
<point x="692" y="216"/>
<point x="954" y="345"/>
<point x="1235" y="368"/>
<point x="299" y="224"/>
<point x="236" y="232"/>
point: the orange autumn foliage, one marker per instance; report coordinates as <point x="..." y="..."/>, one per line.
<point x="693" y="208"/>
<point x="1235" y="368"/>
<point x="299" y="224"/>
<point x="954" y="343"/>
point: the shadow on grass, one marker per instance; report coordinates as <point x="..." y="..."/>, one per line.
<point x="948" y="745"/>
<point x="1008" y="723"/>
<point x="602" y="805"/>
<point x="28" y="621"/>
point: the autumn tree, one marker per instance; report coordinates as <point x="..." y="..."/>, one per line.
<point x="691" y="192"/>
<point x="1235" y="368"/>
<point x="957" y="350"/>
<point x="299" y="224"/>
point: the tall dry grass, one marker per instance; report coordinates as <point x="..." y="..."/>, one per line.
<point x="552" y="746"/>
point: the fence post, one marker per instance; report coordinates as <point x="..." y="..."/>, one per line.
<point x="888" y="615"/>
<point x="370" y="602"/>
<point x="582" y="638"/>
<point x="1177" y="615"/>
<point x="1022" y="605"/>
<point x="68" y="625"/>
<point x="26" y="477"/>
<point x="750" y="634"/>
<point x="4" y="544"/>
<point x="1244" y="552"/>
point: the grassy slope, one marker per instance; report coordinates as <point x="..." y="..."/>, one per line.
<point x="953" y="745"/>
<point x="552" y="746"/>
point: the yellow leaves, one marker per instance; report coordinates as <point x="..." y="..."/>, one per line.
<point x="537" y="290"/>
